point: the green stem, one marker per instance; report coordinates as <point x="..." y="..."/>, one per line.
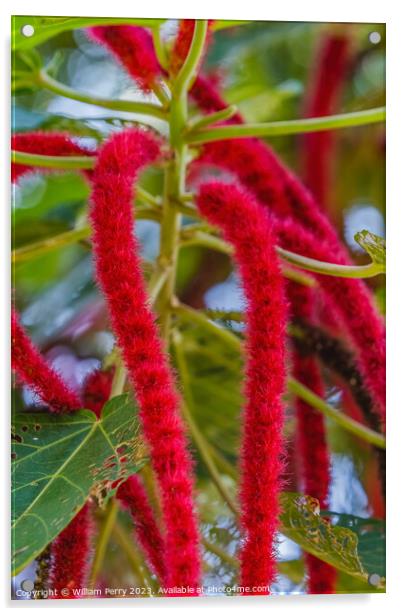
<point x="288" y="127"/>
<point x="46" y="81"/>
<point x="223" y="24"/>
<point x="60" y="24"/>
<point x="188" y="71"/>
<point x="175" y="174"/>
<point x="349" y="424"/>
<point x="194" y="316"/>
<point x="102" y="542"/>
<point x="53" y="162"/>
<point x="212" y="118"/>
<point x="67" y="238"/>
<point x="126" y="543"/>
<point x="197" y="436"/>
<point x="200" y="238"/>
<point x="160" y="48"/>
<point x="225" y="315"/>
<point x="37" y="249"/>
<point x="221" y="553"/>
<point x="331" y="269"/>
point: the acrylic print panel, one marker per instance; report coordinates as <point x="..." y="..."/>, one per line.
<point x="198" y="308"/>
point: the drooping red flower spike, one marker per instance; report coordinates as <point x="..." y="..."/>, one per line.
<point x="311" y="439"/>
<point x="134" y="498"/>
<point x="119" y="275"/>
<point x="247" y="226"/>
<point x="35" y="372"/>
<point x="69" y="555"/>
<point x="354" y="304"/>
<point x="327" y="81"/>
<point x="132" y="46"/>
<point x="44" y="143"/>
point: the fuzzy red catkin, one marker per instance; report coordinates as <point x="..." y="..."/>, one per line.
<point x="247" y="226"/>
<point x="328" y="76"/>
<point x="365" y="327"/>
<point x="35" y="372"/>
<point x="133" y="47"/>
<point x="29" y="364"/>
<point x="311" y="438"/>
<point x="119" y="275"/>
<point x="44" y="143"/>
<point x="97" y="390"/>
<point x="69" y="554"/>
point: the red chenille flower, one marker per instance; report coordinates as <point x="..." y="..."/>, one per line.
<point x="35" y="372"/>
<point x="330" y="69"/>
<point x="118" y="271"/>
<point x="311" y="439"/>
<point x="132" y="46"/>
<point x="247" y="226"/>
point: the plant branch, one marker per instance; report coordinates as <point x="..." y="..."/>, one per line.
<point x="53" y="162"/>
<point x="133" y="558"/>
<point x="46" y="81"/>
<point x="288" y="127"/>
<point x="200" y="238"/>
<point x="102" y="542"/>
<point x="349" y="424"/>
<point x="67" y="238"/>
<point x="212" y="118"/>
<point x="175" y="174"/>
<point x="331" y="269"/>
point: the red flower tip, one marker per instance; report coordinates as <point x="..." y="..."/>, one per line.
<point x="247" y="226"/>
<point x="312" y="445"/>
<point x="119" y="275"/>
<point x="132" y="46"/>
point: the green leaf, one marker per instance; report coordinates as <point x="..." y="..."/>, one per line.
<point x="59" y="461"/>
<point x="371" y="540"/>
<point x="373" y="245"/>
<point x="336" y="545"/>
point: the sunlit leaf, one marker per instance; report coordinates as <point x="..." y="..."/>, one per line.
<point x="373" y="245"/>
<point x="336" y="545"/>
<point x="59" y="461"/>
